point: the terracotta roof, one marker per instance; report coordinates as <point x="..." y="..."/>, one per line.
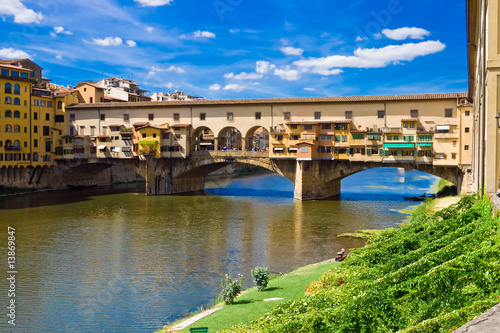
<point x="64" y="92"/>
<point x="90" y="84"/>
<point x="115" y="125"/>
<point x="410" y="119"/>
<point x="181" y="125"/>
<point x="344" y="99"/>
<point x="14" y="67"/>
<point x="111" y="98"/>
<point x="81" y="136"/>
<point x="103" y="136"/>
<point x="140" y="123"/>
<point x="354" y="130"/>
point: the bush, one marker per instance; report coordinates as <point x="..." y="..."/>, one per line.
<point x="230" y="288"/>
<point x="260" y="277"/>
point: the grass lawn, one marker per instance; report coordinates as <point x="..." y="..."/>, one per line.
<point x="250" y="305"/>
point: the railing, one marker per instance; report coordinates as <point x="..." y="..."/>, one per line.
<point x="230" y="153"/>
<point x="11" y="148"/>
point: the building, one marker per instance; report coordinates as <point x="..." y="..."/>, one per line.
<point x="173" y="96"/>
<point x="120" y="89"/>
<point x="483" y="33"/>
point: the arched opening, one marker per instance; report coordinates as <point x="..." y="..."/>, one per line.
<point x="17" y="129"/>
<point x="17" y="89"/>
<point x="17" y="114"/>
<point x="8" y="88"/>
<point x="8" y="128"/>
<point x="17" y="101"/>
<point x="203" y="139"/>
<point x="59" y="105"/>
<point x="8" y="100"/>
<point x="8" y="114"/>
<point x="257" y="139"/>
<point x="230" y="138"/>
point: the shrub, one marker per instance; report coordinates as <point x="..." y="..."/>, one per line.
<point x="230" y="288"/>
<point x="260" y="277"/>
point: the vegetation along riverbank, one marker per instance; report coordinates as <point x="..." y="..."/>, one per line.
<point x="431" y="275"/>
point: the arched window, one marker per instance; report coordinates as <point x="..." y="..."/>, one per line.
<point x="17" y="101"/>
<point x="8" y="88"/>
<point x="8" y="128"/>
<point x="8" y="100"/>
<point x="59" y="105"/>
<point x="17" y="89"/>
<point x="8" y="143"/>
<point x="17" y="128"/>
<point x="8" y="114"/>
<point x="17" y="145"/>
<point x="17" y="114"/>
<point x="35" y="157"/>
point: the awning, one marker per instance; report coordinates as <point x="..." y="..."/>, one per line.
<point x="206" y="144"/>
<point x="278" y="149"/>
<point x="101" y="147"/>
<point x="443" y="127"/>
<point x="292" y="149"/>
<point x="399" y="145"/>
<point x="424" y="144"/>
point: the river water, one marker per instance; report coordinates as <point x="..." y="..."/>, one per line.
<point x="115" y="260"/>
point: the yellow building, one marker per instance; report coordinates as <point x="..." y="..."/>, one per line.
<point x="15" y="117"/>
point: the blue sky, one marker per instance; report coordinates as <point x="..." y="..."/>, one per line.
<point x="245" y="49"/>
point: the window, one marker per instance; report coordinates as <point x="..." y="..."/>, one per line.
<point x="381" y="114"/>
<point x="25" y="115"/>
<point x="348" y="115"/>
<point x="304" y="149"/>
<point x="374" y="136"/>
<point x="308" y="127"/>
<point x="24" y="75"/>
<point x="337" y="138"/>
<point x="326" y="138"/>
<point x="47" y="116"/>
<point x="42" y="103"/>
<point x="286" y="115"/>
<point x="17" y="89"/>
<point x="326" y="126"/>
<point x="48" y="145"/>
<point x="14" y="73"/>
<point x="59" y="118"/>
<point x="8" y="88"/>
<point x="424" y="138"/>
<point x="258" y="115"/>
<point x="8" y="100"/>
<point x="344" y="138"/>
<point x="467" y="113"/>
<point x="466" y="147"/>
<point x="448" y="113"/>
<point x="8" y="114"/>
<point x="59" y="105"/>
<point x="35" y="129"/>
<point x="4" y="72"/>
<point x="409" y="138"/>
<point x="126" y="117"/>
<point x="151" y="116"/>
<point x="154" y="135"/>
<point x="35" y="115"/>
<point x="82" y="130"/>
<point x="358" y="136"/>
<point x="405" y="125"/>
<point x="36" y="102"/>
<point x="176" y="117"/>
<point x="71" y="117"/>
<point x="293" y="126"/>
<point x="453" y="156"/>
<point x="395" y="137"/>
<point x="49" y="104"/>
<point x="143" y="135"/>
<point x="25" y="129"/>
<point x="317" y="115"/>
<point x="414" y="113"/>
<point x="92" y="130"/>
<point x="412" y="125"/>
<point x="230" y="116"/>
<point x="103" y="116"/>
<point x="35" y="157"/>
<point x="91" y="100"/>
<point x="17" y="101"/>
<point x="17" y="129"/>
<point x="467" y="130"/>
<point x="343" y="126"/>
<point x="8" y="128"/>
<point x="203" y="116"/>
<point x="46" y="131"/>
<point x="454" y="143"/>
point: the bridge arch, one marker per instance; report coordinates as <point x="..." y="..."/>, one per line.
<point x="202" y="139"/>
<point x="229" y="138"/>
<point x="257" y="139"/>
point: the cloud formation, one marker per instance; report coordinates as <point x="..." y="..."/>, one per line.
<point x="234" y="87"/>
<point x="264" y="67"/>
<point x="154" y="3"/>
<point x="60" y="31"/>
<point x="11" y="53"/>
<point x="404" y="33"/>
<point x="287" y="73"/>
<point x="370" y="58"/>
<point x="215" y="87"/>
<point x="113" y="41"/>
<point x="290" y="50"/>
<point x="21" y="14"/>
<point x="198" y="34"/>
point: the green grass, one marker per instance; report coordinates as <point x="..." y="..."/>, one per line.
<point x="251" y="305"/>
<point x="433" y="275"/>
<point x="363" y="233"/>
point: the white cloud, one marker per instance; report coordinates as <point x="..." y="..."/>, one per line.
<point x="309" y="89"/>
<point x="150" y="29"/>
<point x="284" y="41"/>
<point x="131" y="43"/>
<point x="234" y="31"/>
<point x="287" y="73"/>
<point x="172" y="68"/>
<point x="169" y="85"/>
<point x="404" y="33"/>
<point x="175" y="69"/>
<point x="215" y="86"/>
<point x="370" y="58"/>
<point x="198" y="34"/>
<point x="377" y="36"/>
<point x="59" y="31"/>
<point x="290" y="50"/>
<point x="108" y="41"/>
<point x="154" y="3"/>
<point x="59" y="57"/>
<point x="359" y="39"/>
<point x="11" y="53"/>
<point x="247" y="76"/>
<point x="19" y="11"/>
<point x="264" y="67"/>
<point x="234" y="87"/>
<point x="229" y="75"/>
<point x="326" y="72"/>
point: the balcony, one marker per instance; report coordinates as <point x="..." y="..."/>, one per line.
<point x="12" y="148"/>
<point x="391" y="130"/>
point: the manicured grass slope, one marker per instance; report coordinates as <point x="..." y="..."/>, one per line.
<point x="433" y="275"/>
<point x="250" y="305"/>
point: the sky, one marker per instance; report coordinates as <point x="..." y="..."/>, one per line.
<point x="227" y="49"/>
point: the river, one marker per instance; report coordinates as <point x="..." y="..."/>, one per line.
<point x="115" y="260"/>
